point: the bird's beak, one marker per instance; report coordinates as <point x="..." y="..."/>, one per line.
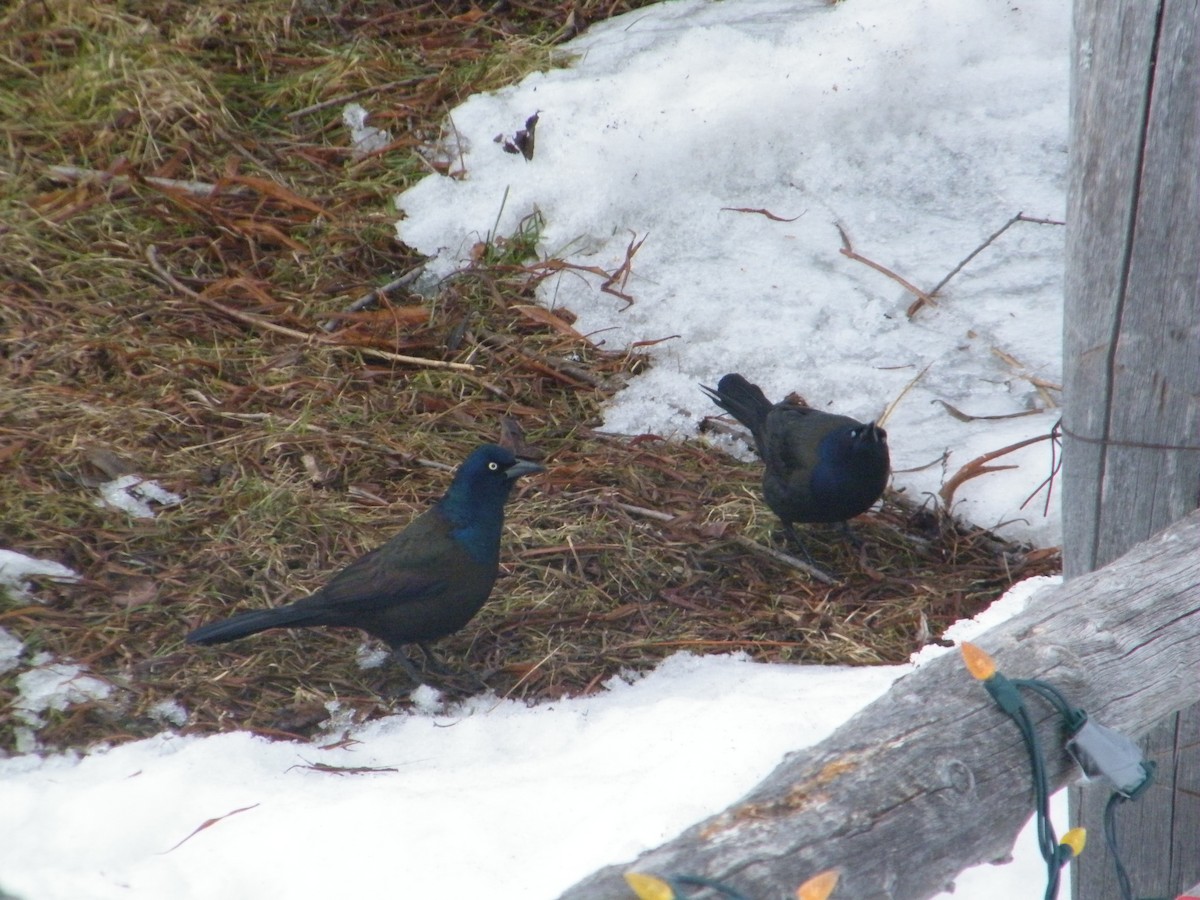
<point x="523" y="467"/>
<point x="875" y="434"/>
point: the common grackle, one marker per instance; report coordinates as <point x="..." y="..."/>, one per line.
<point x="425" y="583"/>
<point x="819" y="467"/>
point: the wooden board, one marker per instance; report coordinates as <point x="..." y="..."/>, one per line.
<point x="1132" y="364"/>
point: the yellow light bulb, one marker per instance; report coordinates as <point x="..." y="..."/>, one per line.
<point x="647" y="887"/>
<point x="819" y="887"/>
<point x="978" y="663"/>
<point x="1076" y="838"/>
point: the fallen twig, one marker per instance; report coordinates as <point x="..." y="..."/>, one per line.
<point x="353" y="95"/>
<point x="968" y="417"/>
<point x="762" y="212"/>
<point x="927" y="297"/>
<point x="195" y="188"/>
<point x="644" y="512"/>
<point x="1042" y="386"/>
<point x="378" y="294"/>
<point x="547" y="267"/>
<point x="848" y="250"/>
<point x="978" y="466"/>
<point x="1019" y="217"/>
<point x="939" y="460"/>
<point x="330" y="769"/>
<point x="891" y="407"/>
<point x="786" y="558"/>
<point x="208" y="823"/>
<point x="266" y="325"/>
<point x="1055" y="465"/>
<point x="742" y="541"/>
<point x="623" y="272"/>
<point x="559" y="369"/>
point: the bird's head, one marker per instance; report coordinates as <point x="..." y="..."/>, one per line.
<point x="857" y="442"/>
<point x="482" y="484"/>
<point x="869" y="435"/>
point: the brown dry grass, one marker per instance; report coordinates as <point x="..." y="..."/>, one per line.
<point x="179" y="336"/>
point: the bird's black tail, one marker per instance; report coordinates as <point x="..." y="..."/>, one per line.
<point x="744" y="401"/>
<point x="252" y="622"/>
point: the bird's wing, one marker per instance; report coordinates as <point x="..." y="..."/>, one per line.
<point x="415" y="564"/>
<point x="796" y="433"/>
<point x="791" y="439"/>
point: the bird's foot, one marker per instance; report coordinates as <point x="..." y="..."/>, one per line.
<point x="804" y="561"/>
<point x="851" y="535"/>
<point x="434" y="674"/>
<point x="793" y="540"/>
<point x="399" y="658"/>
<point x="398" y="677"/>
<point x="432" y="663"/>
<point x="463" y="681"/>
<point x="437" y="674"/>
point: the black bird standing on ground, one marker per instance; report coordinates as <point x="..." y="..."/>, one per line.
<point x="425" y="583"/>
<point x="820" y="467"/>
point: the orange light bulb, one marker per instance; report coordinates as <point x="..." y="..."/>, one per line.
<point x="978" y="663"/>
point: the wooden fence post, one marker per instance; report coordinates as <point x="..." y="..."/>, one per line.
<point x="1132" y="369"/>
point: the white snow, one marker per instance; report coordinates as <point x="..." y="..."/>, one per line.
<point x="48" y="686"/>
<point x="10" y="651"/>
<point x="919" y="126"/>
<point x="486" y="798"/>
<point x="134" y="494"/>
<point x="16" y="567"/>
<point x="364" y="138"/>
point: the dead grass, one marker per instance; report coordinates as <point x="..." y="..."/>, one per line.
<point x="178" y="335"/>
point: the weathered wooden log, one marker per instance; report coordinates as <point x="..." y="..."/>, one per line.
<point x="932" y="777"/>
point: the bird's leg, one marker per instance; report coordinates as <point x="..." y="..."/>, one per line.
<point x="432" y="662"/>
<point x="460" y="678"/>
<point x="850" y="534"/>
<point x="389" y="685"/>
<point x="793" y="540"/>
<point x="400" y="658"/>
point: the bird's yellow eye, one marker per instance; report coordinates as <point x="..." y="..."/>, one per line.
<point x="493" y="466"/>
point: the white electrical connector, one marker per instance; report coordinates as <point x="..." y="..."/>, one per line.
<point x="1102" y="751"/>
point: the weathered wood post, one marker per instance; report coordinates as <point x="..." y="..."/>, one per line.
<point x="1132" y="368"/>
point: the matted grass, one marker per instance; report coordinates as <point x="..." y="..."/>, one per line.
<point x="159" y="328"/>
